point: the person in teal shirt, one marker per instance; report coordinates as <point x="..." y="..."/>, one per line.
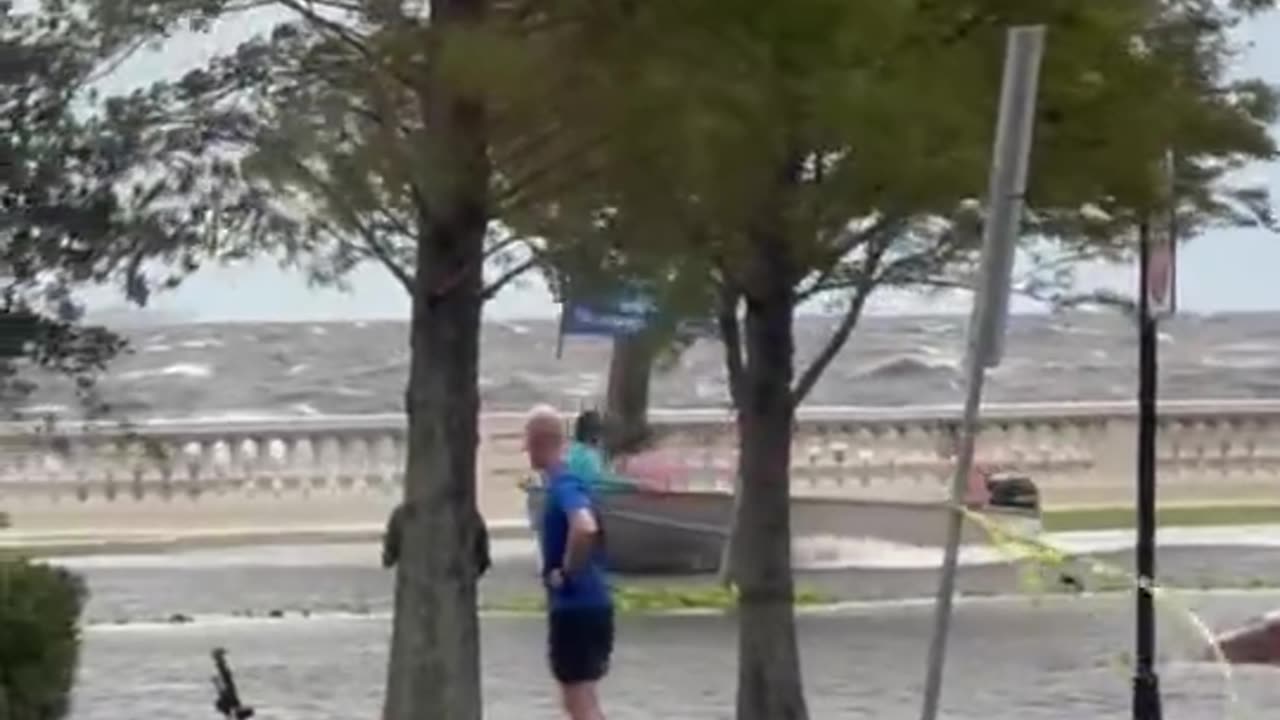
<point x="584" y="457"/>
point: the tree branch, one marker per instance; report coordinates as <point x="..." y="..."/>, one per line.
<point x="379" y="251"/>
<point x="374" y="246"/>
<point x="870" y="280"/>
<point x="845" y="242"/>
<point x="502" y="245"/>
<point x="507" y="277"/>
<point x="336" y="29"/>
<point x="731" y="339"/>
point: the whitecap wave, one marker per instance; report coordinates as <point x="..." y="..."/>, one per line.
<point x="903" y="366"/>
<point x="201" y="343"/>
<point x="187" y="370"/>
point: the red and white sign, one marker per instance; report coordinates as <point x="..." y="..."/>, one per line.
<point x="1162" y="259"/>
<point x="1162" y="275"/>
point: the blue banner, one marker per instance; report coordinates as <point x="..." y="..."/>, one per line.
<point x="611" y="318"/>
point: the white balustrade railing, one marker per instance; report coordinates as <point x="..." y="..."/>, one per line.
<point x="1076" y="452"/>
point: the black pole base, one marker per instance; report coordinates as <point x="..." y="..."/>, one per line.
<point x="1146" y="697"/>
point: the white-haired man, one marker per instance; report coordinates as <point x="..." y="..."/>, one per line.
<point x="579" y="601"/>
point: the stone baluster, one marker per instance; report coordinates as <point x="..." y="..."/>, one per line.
<point x="1048" y="450"/>
<point x="16" y="470"/>
<point x="201" y="461"/>
<point x="328" y="454"/>
<point x="1266" y="438"/>
<point x="245" y="472"/>
<point x="303" y="464"/>
<point x="1082" y="460"/>
<point x="805" y="453"/>
<point x="1171" y="440"/>
<point x="364" y="462"/>
<point x="285" y="457"/>
<point x="1249" y="448"/>
<point x="222" y="467"/>
<point x="63" y="463"/>
<point x="343" y="478"/>
<point x="131" y="478"/>
<point x="1226" y="457"/>
<point x="712" y="467"/>
<point x="918" y="453"/>
<point x="277" y="456"/>
<point x="1195" y="458"/>
<point x="383" y="464"/>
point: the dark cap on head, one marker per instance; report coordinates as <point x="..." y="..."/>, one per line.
<point x="588" y="427"/>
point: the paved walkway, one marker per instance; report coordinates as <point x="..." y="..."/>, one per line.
<point x="1056" y="660"/>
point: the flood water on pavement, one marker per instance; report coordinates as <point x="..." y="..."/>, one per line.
<point x="1051" y="658"/>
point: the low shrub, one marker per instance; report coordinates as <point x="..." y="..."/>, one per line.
<point x="40" y="610"/>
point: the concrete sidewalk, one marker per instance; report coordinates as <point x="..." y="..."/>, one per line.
<point x="46" y="543"/>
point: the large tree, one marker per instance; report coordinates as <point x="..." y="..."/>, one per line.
<point x="817" y="146"/>
<point x="334" y="134"/>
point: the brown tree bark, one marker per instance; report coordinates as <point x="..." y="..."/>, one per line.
<point x="434" y="666"/>
<point x="627" y="397"/>
<point x="769" y="673"/>
<point x="731" y="340"/>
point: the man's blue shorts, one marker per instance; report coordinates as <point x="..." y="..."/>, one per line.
<point x="580" y="643"/>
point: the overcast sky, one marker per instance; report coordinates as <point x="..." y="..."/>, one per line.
<point x="1222" y="271"/>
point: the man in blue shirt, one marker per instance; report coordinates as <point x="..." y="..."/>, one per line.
<point x="579" y="602"/>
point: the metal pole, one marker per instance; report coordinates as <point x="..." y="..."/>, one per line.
<point x="1146" y="684"/>
<point x="986" y="325"/>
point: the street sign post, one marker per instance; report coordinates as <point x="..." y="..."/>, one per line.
<point x="1010" y="163"/>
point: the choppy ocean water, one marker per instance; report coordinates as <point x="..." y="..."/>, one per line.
<point x="272" y="369"/>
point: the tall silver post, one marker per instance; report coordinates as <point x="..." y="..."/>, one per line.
<point x="1008" y="182"/>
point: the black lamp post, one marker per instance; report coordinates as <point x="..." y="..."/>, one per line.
<point x="1146" y="684"/>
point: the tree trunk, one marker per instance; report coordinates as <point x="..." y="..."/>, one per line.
<point x="434" y="666"/>
<point x="627" y="398"/>
<point x="769" y="677"/>
<point x="731" y="340"/>
<point x="435" y="657"/>
<point x="724" y="575"/>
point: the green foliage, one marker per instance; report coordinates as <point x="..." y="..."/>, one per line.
<point x="707" y="127"/>
<point x="317" y="139"/>
<point x="39" y="639"/>
<point x="61" y="220"/>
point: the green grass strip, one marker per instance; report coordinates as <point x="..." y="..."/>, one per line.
<point x="1116" y="518"/>
<point x="641" y="599"/>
